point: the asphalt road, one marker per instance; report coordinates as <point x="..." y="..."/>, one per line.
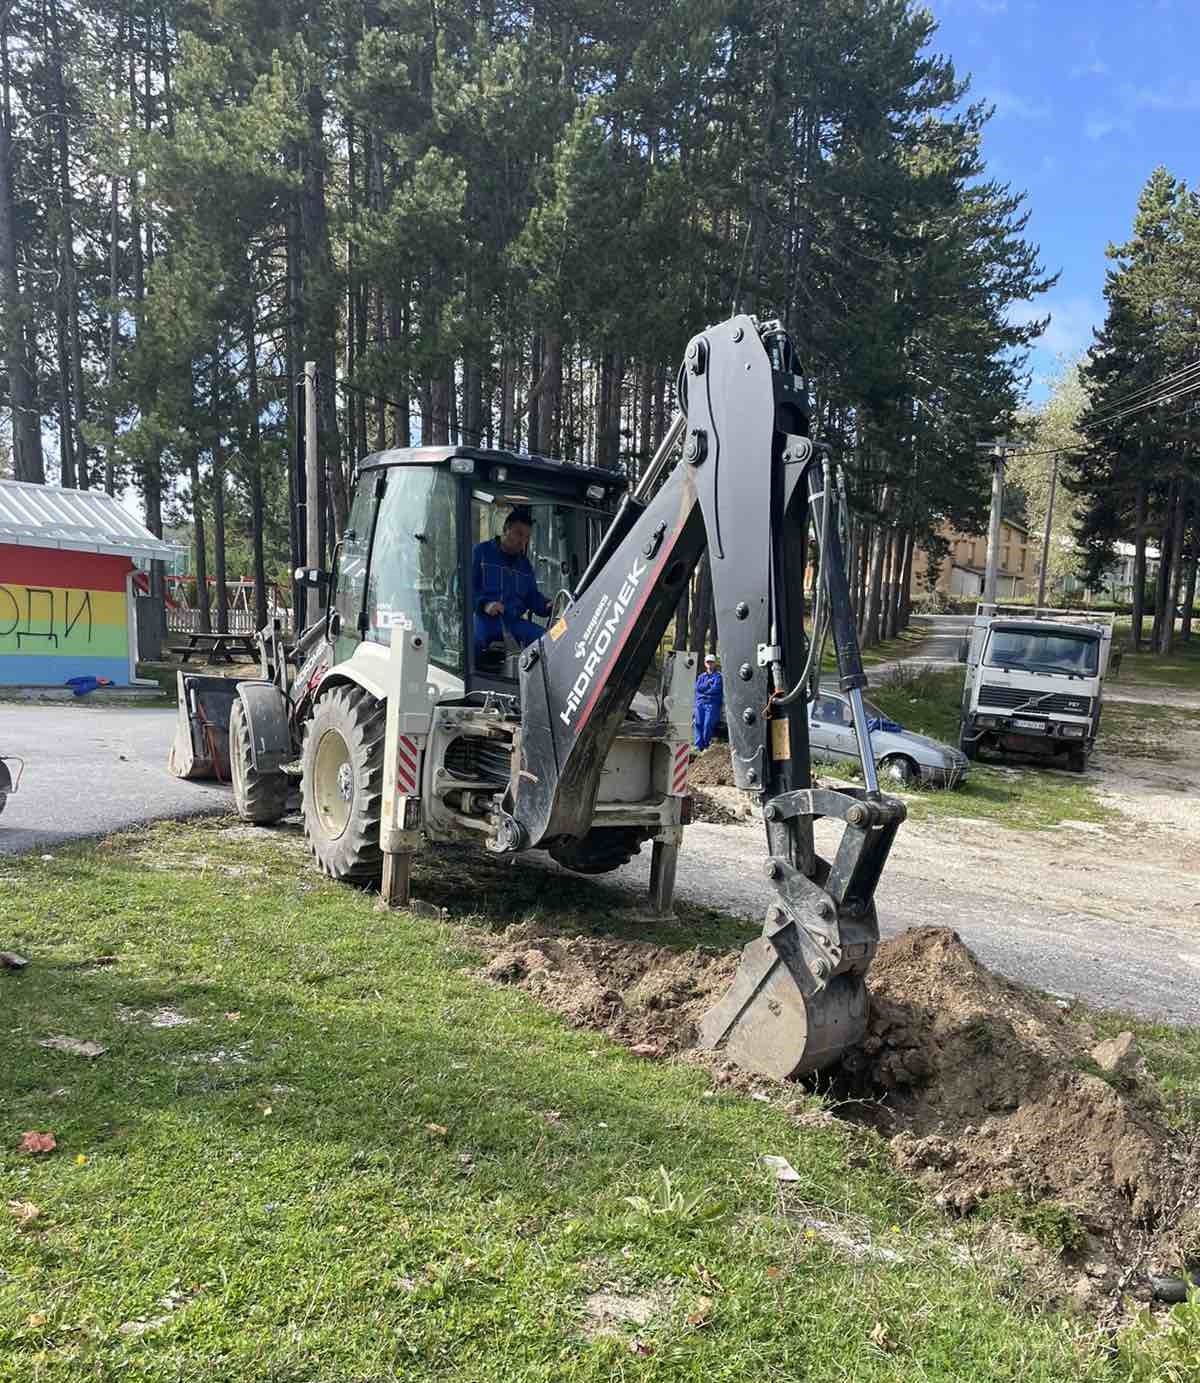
<point x="89" y="770"/>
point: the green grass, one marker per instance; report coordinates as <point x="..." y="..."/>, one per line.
<point x="1023" y="797"/>
<point x="1179" y="668"/>
<point x="1172" y="1057"/>
<point x="358" y="1161"/>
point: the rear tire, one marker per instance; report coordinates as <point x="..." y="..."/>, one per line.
<point x="1077" y="759"/>
<point x="342" y="784"/>
<point x="259" y="797"/>
<point x="602" y="850"/>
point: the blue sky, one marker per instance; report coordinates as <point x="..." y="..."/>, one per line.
<point x="1090" y="96"/>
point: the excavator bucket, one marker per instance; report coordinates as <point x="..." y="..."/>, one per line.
<point x="201" y="745"/>
<point x="766" y="1023"/>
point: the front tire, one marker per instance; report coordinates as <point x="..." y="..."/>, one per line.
<point x="1077" y="759"/>
<point x="342" y="784"/>
<point x="259" y="797"/>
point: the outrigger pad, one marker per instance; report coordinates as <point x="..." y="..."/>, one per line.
<point x="201" y="745"/>
<point x="766" y="1024"/>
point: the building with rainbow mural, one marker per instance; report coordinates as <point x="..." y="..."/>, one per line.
<point x="67" y="564"/>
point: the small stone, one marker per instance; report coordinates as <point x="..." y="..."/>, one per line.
<point x="1082" y="1293"/>
<point x="1118" y="1054"/>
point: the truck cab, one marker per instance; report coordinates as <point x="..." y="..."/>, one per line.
<point x="1034" y="683"/>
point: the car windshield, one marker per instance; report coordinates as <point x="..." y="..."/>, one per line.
<point x="1073" y="654"/>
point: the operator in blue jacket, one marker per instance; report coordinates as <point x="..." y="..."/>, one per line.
<point x="504" y="588"/>
<point x="709" y="692"/>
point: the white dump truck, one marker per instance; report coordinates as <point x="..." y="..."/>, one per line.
<point x="1034" y="682"/>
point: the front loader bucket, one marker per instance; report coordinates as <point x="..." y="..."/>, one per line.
<point x="767" y="1024"/>
<point x="201" y="745"/>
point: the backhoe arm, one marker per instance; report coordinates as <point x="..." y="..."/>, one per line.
<point x="749" y="486"/>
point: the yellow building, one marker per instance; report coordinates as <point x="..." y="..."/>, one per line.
<point x="962" y="572"/>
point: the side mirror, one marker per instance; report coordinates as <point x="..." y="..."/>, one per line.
<point x="963" y="649"/>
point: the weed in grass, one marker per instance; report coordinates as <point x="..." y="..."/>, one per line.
<point x="1163" y="1349"/>
<point x="667" y="1204"/>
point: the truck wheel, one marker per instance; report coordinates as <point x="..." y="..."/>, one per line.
<point x="259" y="797"/>
<point x="900" y="770"/>
<point x="342" y="784"/>
<point x="602" y="850"/>
<point x="1077" y="758"/>
<point x="969" y="747"/>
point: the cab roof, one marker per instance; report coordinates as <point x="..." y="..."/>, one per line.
<point x="486" y="458"/>
<point x="1045" y="626"/>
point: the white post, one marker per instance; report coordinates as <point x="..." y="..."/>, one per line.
<point x="312" y="487"/>
<point x="405" y="737"/>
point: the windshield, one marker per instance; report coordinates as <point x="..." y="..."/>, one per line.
<point x="412" y="549"/>
<point x="1077" y="655"/>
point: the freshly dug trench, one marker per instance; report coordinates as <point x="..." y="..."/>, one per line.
<point x="983" y="1089"/>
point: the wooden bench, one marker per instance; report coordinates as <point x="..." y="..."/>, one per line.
<point x="218" y="648"/>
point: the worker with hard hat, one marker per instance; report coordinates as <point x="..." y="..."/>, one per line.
<point x="710" y="691"/>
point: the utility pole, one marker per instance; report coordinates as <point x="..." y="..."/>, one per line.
<point x="1041" y="600"/>
<point x="312" y="476"/>
<point x="999" y="450"/>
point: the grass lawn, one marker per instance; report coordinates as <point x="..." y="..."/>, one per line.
<point x="316" y="1147"/>
<point x="1024" y="797"/>
<point x="1179" y="668"/>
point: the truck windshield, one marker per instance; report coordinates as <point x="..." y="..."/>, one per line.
<point x="1072" y="654"/>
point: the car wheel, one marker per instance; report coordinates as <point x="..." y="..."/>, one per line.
<point x="1077" y="759"/>
<point x="899" y="770"/>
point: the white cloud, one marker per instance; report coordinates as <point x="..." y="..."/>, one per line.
<point x="1010" y="103"/>
<point x="1101" y="124"/>
<point x="1069" y="332"/>
<point x="1176" y="93"/>
<point x="1095" y="67"/>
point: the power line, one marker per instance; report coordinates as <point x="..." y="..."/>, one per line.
<point x="1175" y="376"/>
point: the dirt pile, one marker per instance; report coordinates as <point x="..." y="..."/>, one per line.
<point x="649" y="997"/>
<point x="712" y="769"/>
<point x="986" y="1092"/>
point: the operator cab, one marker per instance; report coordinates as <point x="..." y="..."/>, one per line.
<point x="406" y="557"/>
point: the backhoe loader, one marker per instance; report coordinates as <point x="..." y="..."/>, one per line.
<point x="405" y="726"/>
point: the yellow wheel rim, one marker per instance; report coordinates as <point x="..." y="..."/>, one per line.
<point x="333" y="784"/>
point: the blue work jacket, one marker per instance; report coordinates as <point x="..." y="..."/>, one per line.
<point x="709" y="688"/>
<point x="497" y="576"/>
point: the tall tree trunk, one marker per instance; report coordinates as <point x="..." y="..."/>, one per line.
<point x="701" y="612"/>
<point x="201" y="554"/>
<point x="508" y="397"/>
<point x="550" y="399"/>
<point x="439" y="404"/>
<point x="906" y="580"/>
<point x="1139" y="563"/>
<point x="1161" y="634"/>
<point x="645" y="441"/>
<point x="533" y="405"/>
<point x="257" y="516"/>
<point x="68" y="286"/>
<point x="1177" y="563"/>
<point x="28" y="463"/>
<point x="1189" y="600"/>
<point x="875" y="583"/>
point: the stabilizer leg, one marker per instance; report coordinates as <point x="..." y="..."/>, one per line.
<point x="664" y="859"/>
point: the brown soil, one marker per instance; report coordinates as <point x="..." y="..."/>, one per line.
<point x="713" y="768"/>
<point x="981" y="1087"/>
<point x="707" y="806"/>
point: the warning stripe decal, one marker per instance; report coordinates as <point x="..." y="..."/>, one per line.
<point x="407" y="759"/>
<point x="680" y="770"/>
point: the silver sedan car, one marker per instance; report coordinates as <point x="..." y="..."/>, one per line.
<point x="902" y="756"/>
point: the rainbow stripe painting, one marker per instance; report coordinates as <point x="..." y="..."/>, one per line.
<point x="63" y="614"/>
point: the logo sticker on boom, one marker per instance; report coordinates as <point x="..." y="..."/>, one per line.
<point x="601" y="636"/>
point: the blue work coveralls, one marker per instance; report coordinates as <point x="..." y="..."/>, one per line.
<point x="709" y="692"/>
<point x="495" y="575"/>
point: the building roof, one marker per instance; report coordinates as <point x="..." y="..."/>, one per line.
<point x="79" y="520"/>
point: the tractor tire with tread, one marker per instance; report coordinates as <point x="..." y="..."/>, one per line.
<point x="341" y="789"/>
<point x="1077" y="759"/>
<point x="259" y="797"/>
